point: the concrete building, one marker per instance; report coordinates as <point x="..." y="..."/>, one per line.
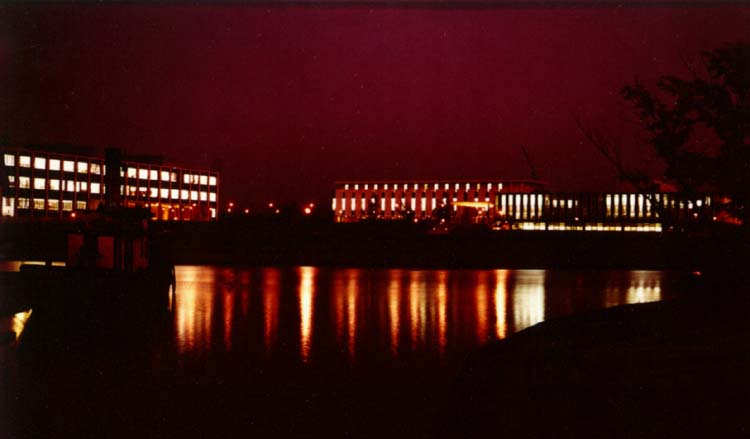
<point x="57" y="182"/>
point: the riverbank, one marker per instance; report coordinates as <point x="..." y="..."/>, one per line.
<point x="668" y="369"/>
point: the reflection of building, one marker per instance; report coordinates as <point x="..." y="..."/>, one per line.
<point x="523" y="205"/>
<point x="57" y="181"/>
<point x="354" y="201"/>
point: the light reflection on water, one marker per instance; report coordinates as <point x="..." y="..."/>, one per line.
<point x="307" y="310"/>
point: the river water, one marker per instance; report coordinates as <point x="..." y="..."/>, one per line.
<point x="302" y="351"/>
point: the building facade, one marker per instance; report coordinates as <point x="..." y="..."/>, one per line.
<point x="53" y="182"/>
<point x="357" y="200"/>
<point x="523" y="205"/>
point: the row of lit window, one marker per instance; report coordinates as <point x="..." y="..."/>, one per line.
<point x="425" y="186"/>
<point x="155" y="175"/>
<point x="394" y="203"/>
<point x="51" y="204"/>
<point x="55" y="184"/>
<point x="594" y="227"/>
<point x="174" y="194"/>
<point x="42" y="163"/>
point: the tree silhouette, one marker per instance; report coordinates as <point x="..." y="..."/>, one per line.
<point x="699" y="128"/>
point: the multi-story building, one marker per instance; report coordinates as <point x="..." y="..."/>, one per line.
<point x="523" y="205"/>
<point x="61" y="181"/>
<point x="356" y="200"/>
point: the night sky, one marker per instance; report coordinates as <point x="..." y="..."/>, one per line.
<point x="288" y="99"/>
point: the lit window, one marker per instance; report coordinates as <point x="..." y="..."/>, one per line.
<point x="456" y="187"/>
<point x="184" y="194"/>
<point x="39" y="183"/>
<point x="416" y="186"/>
<point x="446" y="186"/>
<point x="423" y="204"/>
<point x="173" y="177"/>
<point x="164" y="176"/>
<point x="70" y="186"/>
<point x="54" y="184"/>
<point x="175" y="194"/>
<point x="356" y="187"/>
<point x="385" y="186"/>
<point x="24" y="161"/>
<point x="489" y="186"/>
<point x="95" y="187"/>
<point x="69" y="166"/>
<point x="413" y="203"/>
<point x="81" y="186"/>
<point x="39" y="203"/>
<point x="143" y="174"/>
<point x="333" y="204"/>
<point x="346" y="187"/>
<point x="212" y="180"/>
<point x="499" y="186"/>
<point x="194" y="195"/>
<point x="96" y="168"/>
<point x="81" y="205"/>
<point x="343" y="204"/>
<point x="204" y="196"/>
<point x="10" y="160"/>
<point x="40" y="163"/>
<point x="153" y="175"/>
<point x="186" y="178"/>
<point x="12" y="180"/>
<point x="83" y="167"/>
<point x="467" y="186"/>
<point x="24" y="182"/>
<point x="164" y="193"/>
<point x="131" y="190"/>
<point x="212" y="197"/>
<point x="376" y="187"/>
<point x="23" y="203"/>
<point x="131" y="172"/>
<point x="153" y="192"/>
<point x="433" y="204"/>
<point x="364" y="204"/>
<point x="104" y="170"/>
<point x="204" y="179"/>
<point x="54" y="164"/>
<point x="53" y="204"/>
<point x="67" y="205"/>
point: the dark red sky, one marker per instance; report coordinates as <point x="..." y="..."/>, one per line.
<point x="292" y="98"/>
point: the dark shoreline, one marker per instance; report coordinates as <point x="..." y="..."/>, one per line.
<point x="408" y="246"/>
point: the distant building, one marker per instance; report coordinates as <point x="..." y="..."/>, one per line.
<point x="53" y="181"/>
<point x="522" y="205"/>
<point x="357" y="200"/>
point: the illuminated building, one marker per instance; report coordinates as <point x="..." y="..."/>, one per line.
<point x="519" y="205"/>
<point x="354" y="201"/>
<point x="53" y="182"/>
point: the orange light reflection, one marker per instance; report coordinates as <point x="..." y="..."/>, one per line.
<point x="306" y="309"/>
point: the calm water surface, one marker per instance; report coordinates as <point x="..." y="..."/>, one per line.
<point x="301" y="352"/>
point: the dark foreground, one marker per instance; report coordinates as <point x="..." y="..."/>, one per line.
<point x="669" y="369"/>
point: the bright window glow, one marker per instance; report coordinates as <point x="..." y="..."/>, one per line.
<point x="212" y="197"/>
<point x="39" y="203"/>
<point x="81" y="186"/>
<point x="40" y="163"/>
<point x="54" y="164"/>
<point x="186" y="178"/>
<point x="343" y="204"/>
<point x="354" y="205"/>
<point x="385" y="186"/>
<point x="393" y="204"/>
<point x="416" y="186"/>
<point x="67" y="205"/>
<point x="95" y="187"/>
<point x="10" y="160"/>
<point x="212" y="180"/>
<point x="153" y="192"/>
<point x="356" y="187"/>
<point x="96" y="168"/>
<point x="346" y="187"/>
<point x="333" y="204"/>
<point x="81" y="205"/>
<point x="23" y="203"/>
<point x="376" y="186"/>
<point x="413" y="203"/>
<point x="489" y="186"/>
<point x="433" y="204"/>
<point x="204" y="179"/>
<point x="143" y="174"/>
<point x="164" y="176"/>
<point x="382" y="204"/>
<point x="70" y="186"/>
<point x="367" y="186"/>
<point x="204" y="196"/>
<point x="54" y="184"/>
<point x="174" y="194"/>
<point x="83" y="167"/>
<point x="53" y="204"/>
<point x="364" y="204"/>
<point x="131" y="173"/>
<point x="456" y="188"/>
<point x="173" y="177"/>
<point x="24" y="161"/>
<point x="164" y="193"/>
<point x="194" y="195"/>
<point x="39" y="183"/>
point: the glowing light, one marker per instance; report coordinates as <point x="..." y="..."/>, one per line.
<point x="307" y="211"/>
<point x="394" y="300"/>
<point x="306" y="309"/>
<point x="247" y="211"/>
<point x="270" y="306"/>
<point x="501" y="295"/>
<point x="441" y="309"/>
<point x="528" y="298"/>
<point x="270" y="205"/>
<point x="481" y="300"/>
<point x="194" y="306"/>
